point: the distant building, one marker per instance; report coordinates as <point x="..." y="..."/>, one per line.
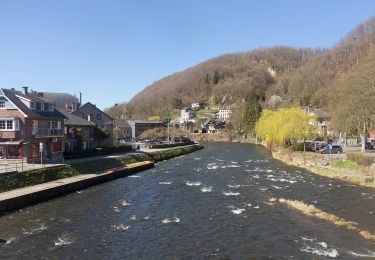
<point x="139" y="126"/>
<point x="187" y="115"/>
<point x="103" y="133"/>
<point x="274" y="101"/>
<point x="121" y="128"/>
<point x="197" y="105"/>
<point x="212" y="125"/>
<point x="224" y="113"/>
<point x="320" y="119"/>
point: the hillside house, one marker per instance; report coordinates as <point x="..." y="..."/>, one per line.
<point x="187" y="115"/>
<point x="213" y="125"/>
<point x="28" y="121"/>
<point x="224" y="113"/>
<point x="103" y="131"/>
<point x="197" y="105"/>
<point x="321" y="120"/>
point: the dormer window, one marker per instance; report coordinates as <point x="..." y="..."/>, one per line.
<point x="38" y="105"/>
<point x="33" y="105"/>
<point x="2" y="103"/>
<point x="42" y="106"/>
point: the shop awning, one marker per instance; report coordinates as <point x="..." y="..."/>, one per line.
<point x="11" y="143"/>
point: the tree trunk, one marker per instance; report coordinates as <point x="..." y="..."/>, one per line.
<point x="363" y="139"/>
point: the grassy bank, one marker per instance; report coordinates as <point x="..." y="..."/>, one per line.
<point x="10" y="181"/>
<point x="328" y="166"/>
<point x="174" y="152"/>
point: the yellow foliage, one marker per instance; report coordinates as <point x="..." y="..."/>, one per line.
<point x="154" y="118"/>
<point x="284" y="124"/>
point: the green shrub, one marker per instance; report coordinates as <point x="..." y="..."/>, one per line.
<point x="161" y="146"/>
<point x="168" y="154"/>
<point x="97" y="151"/>
<point x="361" y="159"/>
<point x="299" y="147"/>
<point x="14" y="180"/>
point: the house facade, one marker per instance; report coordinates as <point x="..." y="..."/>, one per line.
<point x="139" y="126"/>
<point x="29" y="124"/>
<point x="321" y="120"/>
<point x="103" y="131"/>
<point x="79" y="133"/>
<point x="121" y="128"/>
<point x="224" y="113"/>
<point x="187" y="115"/>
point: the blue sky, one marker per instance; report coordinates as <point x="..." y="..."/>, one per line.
<point x="111" y="50"/>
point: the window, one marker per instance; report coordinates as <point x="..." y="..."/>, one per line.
<point x="54" y="124"/>
<point x="33" y="105"/>
<point x="38" y="105"/>
<point x="42" y="106"/>
<point x="2" y="103"/>
<point x="13" y="124"/>
<point x="9" y="124"/>
<point x="99" y="117"/>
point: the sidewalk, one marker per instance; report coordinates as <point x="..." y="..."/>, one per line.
<point x="21" y="165"/>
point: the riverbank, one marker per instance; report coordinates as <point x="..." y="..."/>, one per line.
<point x="327" y="166"/>
<point x="22" y="197"/>
<point x="20" y="189"/>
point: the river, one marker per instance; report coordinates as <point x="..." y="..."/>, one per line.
<point x="213" y="203"/>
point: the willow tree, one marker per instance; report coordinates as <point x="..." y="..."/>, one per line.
<point x="283" y="125"/>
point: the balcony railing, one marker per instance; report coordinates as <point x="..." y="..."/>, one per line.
<point x="45" y="132"/>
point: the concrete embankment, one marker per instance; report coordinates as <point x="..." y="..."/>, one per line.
<point x="21" y="197"/>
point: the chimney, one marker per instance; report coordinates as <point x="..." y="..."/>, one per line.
<point x="25" y="90"/>
<point x="80" y="99"/>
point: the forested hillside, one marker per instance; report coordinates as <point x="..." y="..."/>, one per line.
<point x="301" y="76"/>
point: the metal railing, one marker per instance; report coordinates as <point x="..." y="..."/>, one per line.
<point x="43" y="132"/>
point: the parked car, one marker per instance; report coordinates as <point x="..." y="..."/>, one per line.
<point x="368" y="146"/>
<point x="318" y="146"/>
<point x="335" y="149"/>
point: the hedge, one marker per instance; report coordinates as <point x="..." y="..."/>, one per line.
<point x="97" y="151"/>
<point x="161" y="146"/>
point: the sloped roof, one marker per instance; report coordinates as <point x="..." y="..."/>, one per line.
<point x="320" y="114"/>
<point x="120" y="122"/>
<point x="93" y="106"/>
<point x="12" y="96"/>
<point x="76" y="120"/>
<point x="61" y="100"/>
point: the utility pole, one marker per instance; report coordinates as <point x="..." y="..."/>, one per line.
<point x="169" y="122"/>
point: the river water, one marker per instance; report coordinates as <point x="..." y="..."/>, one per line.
<point x="212" y="204"/>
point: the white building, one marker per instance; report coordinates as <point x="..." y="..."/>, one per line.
<point x="187" y="115"/>
<point x="197" y="105"/>
<point x="224" y="113"/>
